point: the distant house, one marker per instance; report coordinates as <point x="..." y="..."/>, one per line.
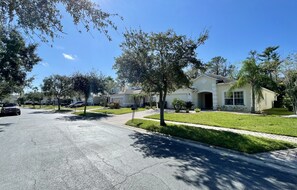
<point x="210" y="92"/>
<point x="129" y="96"/>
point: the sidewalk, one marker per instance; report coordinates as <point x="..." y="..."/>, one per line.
<point x="282" y="159"/>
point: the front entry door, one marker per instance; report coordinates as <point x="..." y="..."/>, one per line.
<point x="208" y="101"/>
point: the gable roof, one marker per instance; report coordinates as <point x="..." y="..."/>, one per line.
<point x="218" y="78"/>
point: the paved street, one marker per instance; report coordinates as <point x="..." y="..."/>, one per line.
<point x="44" y="150"/>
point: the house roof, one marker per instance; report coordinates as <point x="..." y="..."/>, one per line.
<point x="219" y="79"/>
<point x="130" y="91"/>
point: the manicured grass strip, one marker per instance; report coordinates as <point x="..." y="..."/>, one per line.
<point x="243" y="143"/>
<point x="46" y="107"/>
<point x="258" y="123"/>
<point x="117" y="111"/>
<point x="88" y="107"/>
<point x="278" y="111"/>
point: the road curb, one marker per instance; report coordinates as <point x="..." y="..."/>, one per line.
<point x="222" y="151"/>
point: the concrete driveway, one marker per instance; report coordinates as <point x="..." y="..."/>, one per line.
<point x="44" y="150"/>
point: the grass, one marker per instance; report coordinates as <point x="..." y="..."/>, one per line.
<point x="243" y="143"/>
<point x="88" y="107"/>
<point x="278" y="111"/>
<point x="117" y="111"/>
<point x="259" y="123"/>
<point x="42" y="107"/>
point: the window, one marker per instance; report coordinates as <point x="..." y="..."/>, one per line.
<point x="228" y="98"/>
<point x="238" y="98"/>
<point x="234" y="98"/>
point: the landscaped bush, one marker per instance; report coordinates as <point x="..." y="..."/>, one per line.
<point x="114" y="105"/>
<point x="188" y="106"/>
<point x="178" y="104"/>
<point x="197" y="110"/>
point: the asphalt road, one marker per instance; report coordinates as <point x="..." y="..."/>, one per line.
<point x="42" y="150"/>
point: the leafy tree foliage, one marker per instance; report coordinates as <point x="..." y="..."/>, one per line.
<point x="218" y="66"/>
<point x="86" y="84"/>
<point x="291" y="87"/>
<point x="57" y="86"/>
<point x="43" y="17"/>
<point x="157" y="61"/>
<point x="34" y="96"/>
<point x="289" y="70"/>
<point x="271" y="62"/>
<point x="16" y="60"/>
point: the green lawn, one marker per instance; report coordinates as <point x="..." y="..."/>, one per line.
<point x="259" y="123"/>
<point x="278" y="111"/>
<point x="88" y="107"/>
<point x="243" y="143"/>
<point x="47" y="107"/>
<point x="117" y="111"/>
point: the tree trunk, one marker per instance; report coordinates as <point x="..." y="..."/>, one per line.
<point x="59" y="106"/>
<point x="253" y="101"/>
<point x="85" y="108"/>
<point x="295" y="106"/>
<point x="162" y="120"/>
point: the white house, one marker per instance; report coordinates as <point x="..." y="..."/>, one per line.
<point x="210" y="92"/>
<point x="128" y="97"/>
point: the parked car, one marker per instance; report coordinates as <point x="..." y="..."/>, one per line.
<point x="76" y="104"/>
<point x="10" y="109"/>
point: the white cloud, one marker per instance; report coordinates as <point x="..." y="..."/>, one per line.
<point x="69" y="57"/>
<point x="45" y="64"/>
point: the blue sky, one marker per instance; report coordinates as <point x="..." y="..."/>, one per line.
<point x="235" y="27"/>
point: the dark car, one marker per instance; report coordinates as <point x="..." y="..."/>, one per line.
<point x="10" y="109"/>
<point x="76" y="104"/>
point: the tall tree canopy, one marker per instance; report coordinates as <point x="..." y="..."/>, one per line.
<point x="16" y="60"/>
<point x="86" y="84"/>
<point x="218" y="66"/>
<point x="43" y="17"/>
<point x="271" y="62"/>
<point x="157" y="61"/>
<point x="57" y="86"/>
<point x="291" y="87"/>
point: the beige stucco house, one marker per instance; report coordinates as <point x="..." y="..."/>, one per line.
<point x="129" y="96"/>
<point x="210" y="92"/>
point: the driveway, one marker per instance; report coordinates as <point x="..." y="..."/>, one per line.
<point x="44" y="150"/>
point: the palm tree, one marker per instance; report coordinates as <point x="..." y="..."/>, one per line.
<point x="251" y="74"/>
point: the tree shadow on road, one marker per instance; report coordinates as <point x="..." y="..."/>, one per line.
<point x="201" y="168"/>
<point x="50" y="111"/>
<point x="88" y="117"/>
<point x="5" y="124"/>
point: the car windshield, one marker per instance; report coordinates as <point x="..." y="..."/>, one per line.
<point x="9" y="105"/>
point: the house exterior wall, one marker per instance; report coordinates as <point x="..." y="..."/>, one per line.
<point x="183" y="94"/>
<point x="205" y="84"/>
<point x="224" y="87"/>
<point x="267" y="102"/>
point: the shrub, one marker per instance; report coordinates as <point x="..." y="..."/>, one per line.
<point x="188" y="105"/>
<point x="197" y="110"/>
<point x="114" y="105"/>
<point x="178" y="104"/>
<point x="147" y="107"/>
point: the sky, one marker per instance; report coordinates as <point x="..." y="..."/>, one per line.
<point x="235" y="28"/>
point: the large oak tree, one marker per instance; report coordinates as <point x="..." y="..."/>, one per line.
<point x="157" y="61"/>
<point x="85" y="84"/>
<point x="44" y="17"/>
<point x="57" y="86"/>
<point x="16" y="59"/>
